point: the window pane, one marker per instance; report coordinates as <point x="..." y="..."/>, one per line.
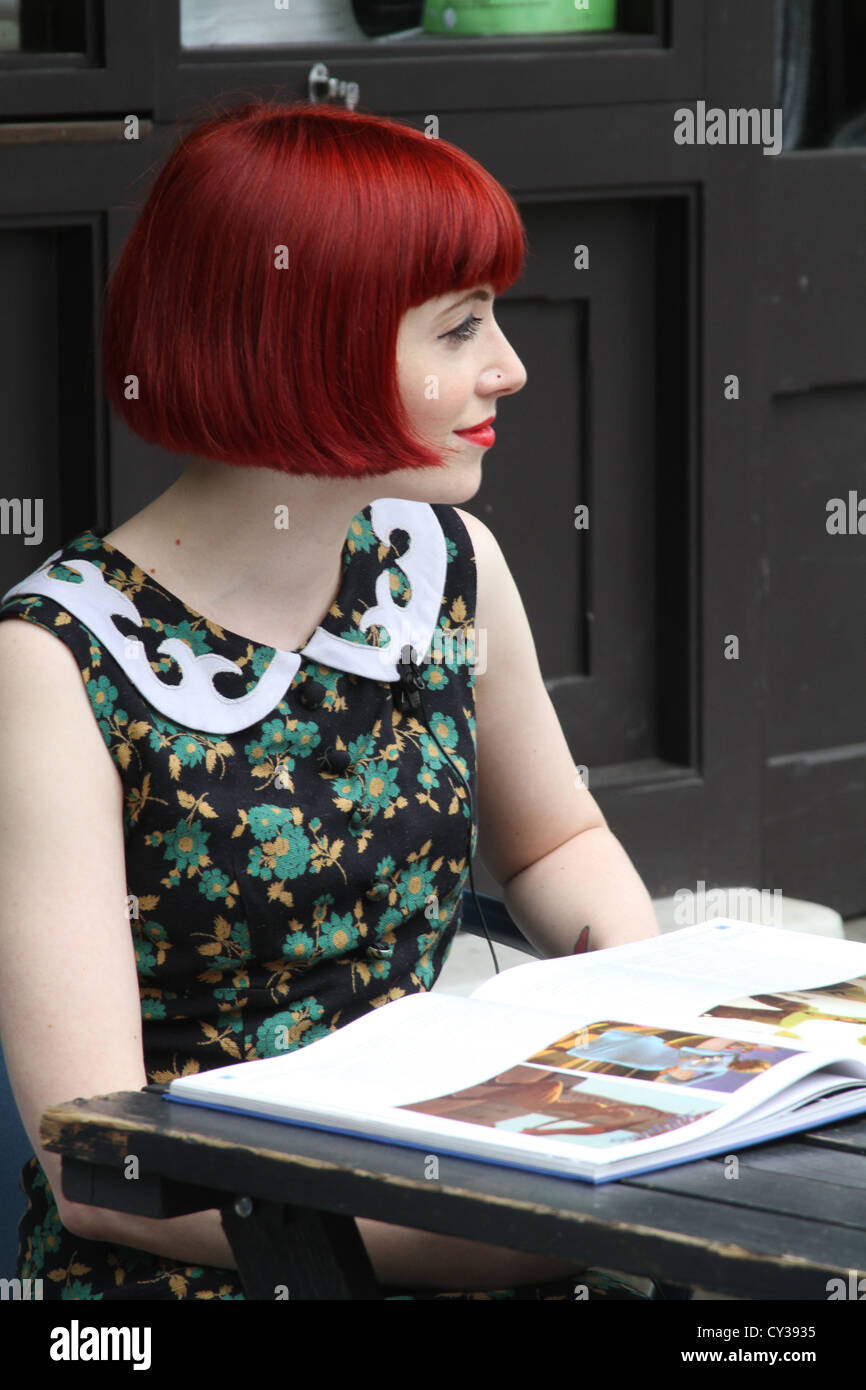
<point x="43" y="26"/>
<point x="225" y="23"/>
<point x="820" y="73"/>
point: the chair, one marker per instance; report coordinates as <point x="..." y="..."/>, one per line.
<point x="501" y="927"/>
<point x="504" y="929"/>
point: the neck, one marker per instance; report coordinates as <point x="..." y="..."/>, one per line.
<point x="227" y="529"/>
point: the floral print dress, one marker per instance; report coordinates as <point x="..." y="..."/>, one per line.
<point x="296" y="844"/>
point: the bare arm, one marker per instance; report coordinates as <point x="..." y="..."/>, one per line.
<point x="588" y="879"/>
<point x="541" y="833"/>
<point x="70" y="1013"/>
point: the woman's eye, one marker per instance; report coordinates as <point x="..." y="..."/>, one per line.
<point x="464" y="330"/>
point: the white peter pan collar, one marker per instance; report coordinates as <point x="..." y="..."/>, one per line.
<point x="194" y="703"/>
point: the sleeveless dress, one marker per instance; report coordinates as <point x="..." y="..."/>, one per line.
<point x="296" y="845"/>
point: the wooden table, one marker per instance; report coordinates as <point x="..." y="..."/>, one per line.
<point x="793" y="1218"/>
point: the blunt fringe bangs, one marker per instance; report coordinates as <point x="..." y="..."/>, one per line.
<point x="252" y="316"/>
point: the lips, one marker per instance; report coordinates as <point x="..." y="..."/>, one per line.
<point x="482" y="435"/>
<point x="482" y="424"/>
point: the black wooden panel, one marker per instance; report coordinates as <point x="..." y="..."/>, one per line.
<point x="813" y="826"/>
<point x="675" y="548"/>
<point x="58" y="178"/>
<point x="47" y="369"/>
<point x="740" y="52"/>
<point x="28" y="370"/>
<point x="815" y="777"/>
<point x="816" y="581"/>
<point x="811" y="371"/>
<point x="812" y="269"/>
<point x="77" y="372"/>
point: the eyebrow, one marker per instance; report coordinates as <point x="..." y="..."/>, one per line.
<point x="483" y="296"/>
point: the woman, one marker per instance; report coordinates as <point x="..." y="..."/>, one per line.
<point x="282" y="811"/>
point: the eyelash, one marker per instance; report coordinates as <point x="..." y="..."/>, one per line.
<point x="465" y="330"/>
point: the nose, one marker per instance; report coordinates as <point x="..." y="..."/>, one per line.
<point x="507" y="374"/>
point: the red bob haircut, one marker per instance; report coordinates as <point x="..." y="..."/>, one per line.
<point x="257" y="301"/>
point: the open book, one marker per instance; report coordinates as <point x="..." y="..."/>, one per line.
<point x="596" y="1066"/>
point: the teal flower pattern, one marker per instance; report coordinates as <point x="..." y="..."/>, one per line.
<point x="276" y="898"/>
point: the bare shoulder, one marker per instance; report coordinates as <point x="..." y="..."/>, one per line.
<point x="500" y="615"/>
<point x="480" y="535"/>
<point x="490" y="566"/>
<point x="43" y="700"/>
<point x="25" y="646"/>
<point x="29" y="650"/>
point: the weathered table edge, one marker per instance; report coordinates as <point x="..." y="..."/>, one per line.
<point x="451" y="1207"/>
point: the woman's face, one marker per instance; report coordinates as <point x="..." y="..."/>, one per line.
<point x="453" y="364"/>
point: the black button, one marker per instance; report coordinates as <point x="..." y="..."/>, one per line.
<point x="311" y="693"/>
<point x="335" y="759"/>
<point x="361" y="816"/>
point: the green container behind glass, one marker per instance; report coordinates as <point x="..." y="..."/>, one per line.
<point x="517" y="16"/>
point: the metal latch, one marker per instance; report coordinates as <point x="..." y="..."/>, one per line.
<point x="321" y="87"/>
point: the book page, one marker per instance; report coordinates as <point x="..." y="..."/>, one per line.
<point x="562" y="1082"/>
<point x="810" y="989"/>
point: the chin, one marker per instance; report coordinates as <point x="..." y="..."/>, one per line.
<point x="453" y="484"/>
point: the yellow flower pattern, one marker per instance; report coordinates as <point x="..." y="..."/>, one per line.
<point x="283" y="880"/>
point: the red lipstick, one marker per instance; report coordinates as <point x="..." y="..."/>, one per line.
<point x="482" y="433"/>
